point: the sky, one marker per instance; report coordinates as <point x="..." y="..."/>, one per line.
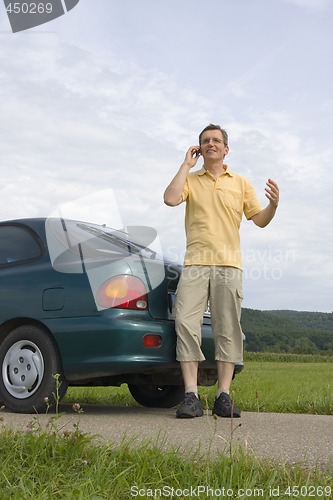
<point x="99" y="106"/>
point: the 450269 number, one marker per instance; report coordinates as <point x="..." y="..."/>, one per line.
<point x="308" y="491"/>
<point x="29" y="8"/>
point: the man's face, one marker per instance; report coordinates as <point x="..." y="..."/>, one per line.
<point x="212" y="146"/>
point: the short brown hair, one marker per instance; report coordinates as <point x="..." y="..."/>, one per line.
<point x="211" y="126"/>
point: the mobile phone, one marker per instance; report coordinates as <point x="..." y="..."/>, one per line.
<point x="198" y="153"/>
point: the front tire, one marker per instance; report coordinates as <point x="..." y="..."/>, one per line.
<point x="31" y="377"/>
<point x="157" y="396"/>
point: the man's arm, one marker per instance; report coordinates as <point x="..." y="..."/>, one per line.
<point x="264" y="217"/>
<point x="173" y="193"/>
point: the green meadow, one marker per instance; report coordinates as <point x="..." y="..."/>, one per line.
<point x="281" y="383"/>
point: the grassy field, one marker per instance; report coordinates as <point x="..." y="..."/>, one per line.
<point x="268" y="383"/>
<point x="44" y="464"/>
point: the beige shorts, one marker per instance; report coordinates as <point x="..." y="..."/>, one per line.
<point x="222" y="286"/>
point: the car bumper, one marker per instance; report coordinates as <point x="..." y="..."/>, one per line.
<point x="113" y="344"/>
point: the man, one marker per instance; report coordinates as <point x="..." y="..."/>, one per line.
<point x="216" y="199"/>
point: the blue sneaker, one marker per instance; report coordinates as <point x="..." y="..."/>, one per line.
<point x="223" y="407"/>
<point x="190" y="408"/>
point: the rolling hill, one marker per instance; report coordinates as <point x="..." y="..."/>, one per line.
<point x="288" y="331"/>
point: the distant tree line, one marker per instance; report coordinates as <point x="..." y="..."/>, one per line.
<point x="285" y="331"/>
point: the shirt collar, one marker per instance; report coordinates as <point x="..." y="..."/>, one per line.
<point x="203" y="171"/>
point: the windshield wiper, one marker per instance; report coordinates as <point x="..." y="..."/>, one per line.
<point x="130" y="246"/>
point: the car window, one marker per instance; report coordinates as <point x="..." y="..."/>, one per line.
<point x="67" y="237"/>
<point x="119" y="240"/>
<point x="75" y="246"/>
<point x="17" y="244"/>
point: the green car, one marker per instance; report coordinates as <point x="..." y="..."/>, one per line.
<point x="93" y="306"/>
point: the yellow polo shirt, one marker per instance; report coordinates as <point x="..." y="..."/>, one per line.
<point x="214" y="210"/>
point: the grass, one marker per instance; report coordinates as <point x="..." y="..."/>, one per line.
<point x="268" y="383"/>
<point x="286" y="388"/>
<point x="46" y="463"/>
